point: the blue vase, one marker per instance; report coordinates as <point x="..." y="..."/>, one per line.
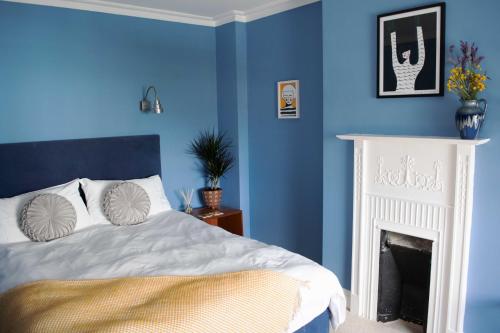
<point x="470" y="117"/>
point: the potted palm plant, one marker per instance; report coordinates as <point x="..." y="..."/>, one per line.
<point x="213" y="151"/>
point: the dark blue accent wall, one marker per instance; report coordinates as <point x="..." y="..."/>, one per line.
<point x="350" y="106"/>
<point x="76" y="74"/>
<point x="286" y="155"/>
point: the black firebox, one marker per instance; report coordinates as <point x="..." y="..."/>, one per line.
<point x="404" y="278"/>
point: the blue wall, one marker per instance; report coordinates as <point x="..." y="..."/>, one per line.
<point x="73" y="74"/>
<point x="286" y="155"/>
<point x="232" y="102"/>
<point x="350" y="106"/>
<point x="227" y="105"/>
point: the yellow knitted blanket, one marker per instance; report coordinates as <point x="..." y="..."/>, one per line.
<point x="257" y="301"/>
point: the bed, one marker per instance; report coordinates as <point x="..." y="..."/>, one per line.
<point x="170" y="243"/>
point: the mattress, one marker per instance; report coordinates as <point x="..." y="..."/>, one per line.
<point x="170" y="243"/>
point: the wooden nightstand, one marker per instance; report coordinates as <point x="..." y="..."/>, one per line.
<point x="231" y="220"/>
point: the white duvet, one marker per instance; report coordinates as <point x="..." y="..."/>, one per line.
<point x="170" y="243"/>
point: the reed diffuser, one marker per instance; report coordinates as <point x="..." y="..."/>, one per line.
<point x="187" y="196"/>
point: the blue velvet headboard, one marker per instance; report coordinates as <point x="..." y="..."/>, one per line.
<point x="31" y="166"/>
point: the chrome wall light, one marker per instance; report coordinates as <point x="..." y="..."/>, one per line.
<point x="145" y="104"/>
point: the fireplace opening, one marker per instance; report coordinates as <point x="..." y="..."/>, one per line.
<point x="404" y="278"/>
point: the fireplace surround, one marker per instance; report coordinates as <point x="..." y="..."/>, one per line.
<point x="420" y="187"/>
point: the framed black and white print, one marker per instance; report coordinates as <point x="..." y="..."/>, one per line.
<point x="411" y="52"/>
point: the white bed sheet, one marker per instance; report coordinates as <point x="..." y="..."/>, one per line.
<point x="170" y="243"/>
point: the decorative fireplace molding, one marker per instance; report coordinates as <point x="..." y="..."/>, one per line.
<point x="405" y="176"/>
<point x="422" y="187"/>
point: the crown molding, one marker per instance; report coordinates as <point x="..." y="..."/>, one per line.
<point x="124" y="9"/>
<point x="228" y="17"/>
<point x="268" y="9"/>
<point x="274" y="7"/>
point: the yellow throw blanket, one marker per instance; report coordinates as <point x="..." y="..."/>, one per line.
<point x="257" y="301"/>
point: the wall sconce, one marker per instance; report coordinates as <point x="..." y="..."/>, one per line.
<point x="145" y="104"/>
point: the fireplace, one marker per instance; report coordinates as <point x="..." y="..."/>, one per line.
<point x="404" y="278"/>
<point x="413" y="197"/>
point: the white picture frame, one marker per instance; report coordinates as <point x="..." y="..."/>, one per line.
<point x="288" y="97"/>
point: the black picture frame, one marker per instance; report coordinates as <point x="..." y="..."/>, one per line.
<point x="427" y="24"/>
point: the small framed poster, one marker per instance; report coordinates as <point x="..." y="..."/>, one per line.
<point x="288" y="99"/>
<point x="411" y="52"/>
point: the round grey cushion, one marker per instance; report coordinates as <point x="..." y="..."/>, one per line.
<point x="126" y="204"/>
<point x="48" y="216"/>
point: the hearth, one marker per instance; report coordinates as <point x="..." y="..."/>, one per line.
<point x="404" y="278"/>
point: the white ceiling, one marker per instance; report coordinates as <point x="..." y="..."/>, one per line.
<point x="200" y="12"/>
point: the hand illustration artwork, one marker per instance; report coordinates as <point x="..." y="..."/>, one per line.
<point x="406" y="73"/>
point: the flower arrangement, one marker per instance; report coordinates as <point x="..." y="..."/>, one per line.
<point x="467" y="78"/>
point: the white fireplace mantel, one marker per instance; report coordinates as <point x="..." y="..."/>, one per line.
<point x="419" y="186"/>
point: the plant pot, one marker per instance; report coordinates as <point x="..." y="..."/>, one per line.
<point x="212" y="198"/>
<point x="469" y="118"/>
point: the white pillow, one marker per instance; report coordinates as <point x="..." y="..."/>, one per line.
<point x="10" y="211"/>
<point x="95" y="191"/>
